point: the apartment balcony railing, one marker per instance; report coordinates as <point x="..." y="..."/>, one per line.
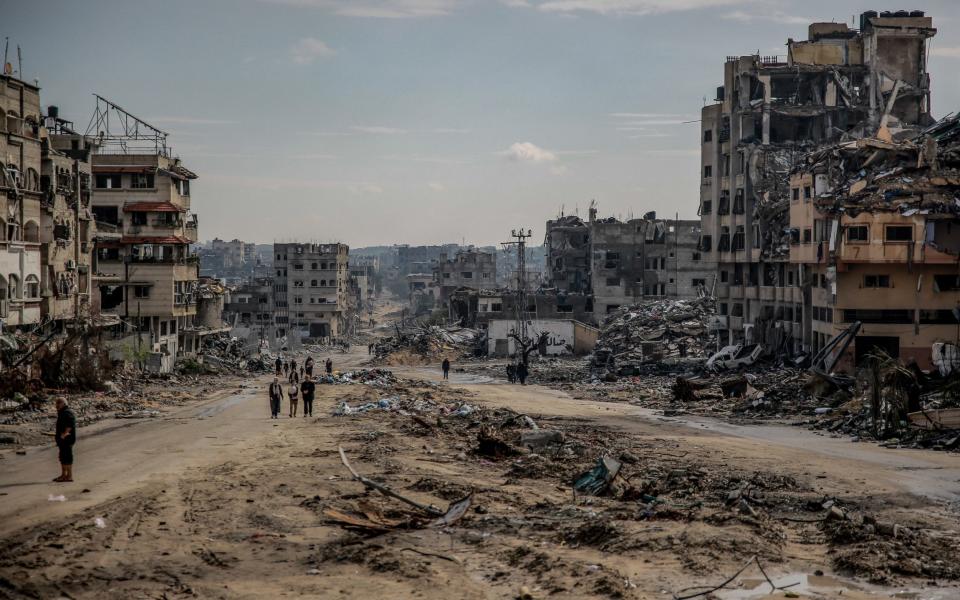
<point x="163" y="260"/>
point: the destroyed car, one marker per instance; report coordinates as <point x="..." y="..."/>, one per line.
<point x="733" y="357"/>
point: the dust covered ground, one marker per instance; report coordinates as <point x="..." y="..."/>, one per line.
<point x="254" y="518"/>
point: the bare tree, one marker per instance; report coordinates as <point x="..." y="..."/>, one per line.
<point x="528" y="345"/>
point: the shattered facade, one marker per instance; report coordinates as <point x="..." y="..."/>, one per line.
<point x="251" y="305"/>
<point x="643" y="258"/>
<point x="148" y="275"/>
<point x="567" y="243"/>
<point x="20" y="166"/>
<point x="470" y="268"/>
<point x="839" y="84"/>
<point x="67" y="229"/>
<point x="312" y="290"/>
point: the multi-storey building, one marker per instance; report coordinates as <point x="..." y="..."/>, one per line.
<point x="20" y="165"/>
<point x="839" y="84"/>
<point x="154" y="276"/>
<point x="251" y="305"/>
<point x="67" y="228"/>
<point x="567" y="242"/>
<point x="644" y="258"/>
<point x="466" y="269"/>
<point x="311" y="289"/>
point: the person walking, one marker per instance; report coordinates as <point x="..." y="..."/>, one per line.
<point x="308" y="366"/>
<point x="293" y="393"/>
<point x="512" y="373"/>
<point x="65" y="436"/>
<point x="307" y="389"/>
<point x="286" y="369"/>
<point x="279" y="364"/>
<point x="446" y="368"/>
<point x="293" y="365"/>
<point x="276" y="396"/>
<point x="522" y="373"/>
<point x="329" y="366"/>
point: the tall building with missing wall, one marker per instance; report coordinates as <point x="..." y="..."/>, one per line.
<point x="839" y="84"/>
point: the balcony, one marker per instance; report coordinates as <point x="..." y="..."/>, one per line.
<point x="192" y="259"/>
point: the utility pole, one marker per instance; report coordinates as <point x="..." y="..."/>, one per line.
<point x="520" y="236"/>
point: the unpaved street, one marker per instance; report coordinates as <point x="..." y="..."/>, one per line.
<point x="217" y="501"/>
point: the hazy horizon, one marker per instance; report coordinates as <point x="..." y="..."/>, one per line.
<point x="375" y="122"/>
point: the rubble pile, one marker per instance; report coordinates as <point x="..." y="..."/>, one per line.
<point x="655" y="336"/>
<point x="427" y="341"/>
<point x="373" y="377"/>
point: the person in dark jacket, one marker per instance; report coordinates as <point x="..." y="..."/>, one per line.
<point x="329" y="366"/>
<point x="522" y="373"/>
<point x="279" y="365"/>
<point x="446" y="368"/>
<point x="276" y="396"/>
<point x="66" y="437"/>
<point x="307" y="389"/>
<point x="308" y="366"/>
<point x="512" y="373"/>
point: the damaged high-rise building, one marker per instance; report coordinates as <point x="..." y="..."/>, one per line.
<point x="311" y="290"/>
<point x="840" y="84"/>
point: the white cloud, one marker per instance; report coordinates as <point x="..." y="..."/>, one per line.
<point x="364" y="188"/>
<point x="772" y="17"/>
<point x="379" y="130"/>
<point x="309" y="49"/>
<point x="379" y="9"/>
<point x="529" y="152"/>
<point x="629" y="7"/>
<point x="436" y="186"/>
<point x="946" y="52"/>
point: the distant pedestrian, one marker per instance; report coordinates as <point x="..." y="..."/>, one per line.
<point x="512" y="373"/>
<point x="279" y="364"/>
<point x="370" y="348"/>
<point x="302" y="372"/>
<point x="446" y="368"/>
<point x="293" y="365"/>
<point x="307" y="389"/>
<point x="308" y="366"/>
<point x="293" y="393"/>
<point x="329" y="366"/>
<point x="286" y="369"/>
<point x="276" y="396"/>
<point x="65" y="436"/>
<point x="522" y="373"/>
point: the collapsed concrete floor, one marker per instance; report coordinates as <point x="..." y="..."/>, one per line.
<point x="217" y="501"/>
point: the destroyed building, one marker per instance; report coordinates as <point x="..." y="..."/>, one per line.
<point x="233" y="261"/>
<point x="469" y="268"/>
<point x="20" y="165"/>
<point x="148" y="274"/>
<point x="67" y="229"/>
<point x="567" y="242"/>
<point x="250" y="305"/>
<point x="311" y="290"/>
<point x="839" y="84"/>
<point x="643" y="258"/>
<point x="477" y="308"/>
<point x="883" y="242"/>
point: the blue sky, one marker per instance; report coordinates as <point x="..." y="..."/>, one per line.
<point x="422" y="121"/>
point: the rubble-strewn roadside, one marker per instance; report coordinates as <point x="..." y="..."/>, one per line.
<point x="286" y="516"/>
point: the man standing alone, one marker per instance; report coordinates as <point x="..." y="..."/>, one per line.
<point x="66" y="436"/>
<point x="307" y="388"/>
<point x="276" y="395"/>
<point x="446" y="368"/>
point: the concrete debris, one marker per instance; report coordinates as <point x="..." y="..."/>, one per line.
<point x="654" y="336"/>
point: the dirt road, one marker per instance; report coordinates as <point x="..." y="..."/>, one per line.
<point x="216" y="500"/>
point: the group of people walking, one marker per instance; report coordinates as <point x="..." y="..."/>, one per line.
<point x="299" y="384"/>
<point x="518" y="372"/>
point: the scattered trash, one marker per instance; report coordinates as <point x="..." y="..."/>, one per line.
<point x="59" y="498"/>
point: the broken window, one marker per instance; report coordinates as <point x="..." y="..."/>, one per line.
<point x="297" y="266"/>
<point x="795" y="194"/>
<point x="858" y="233"/>
<point x="468" y="274"/>
<point x="138" y="218"/>
<point x="724" y="276"/>
<point x="140" y="181"/>
<point x="807" y="192"/>
<point x="807" y="235"/>
<point x="876" y="281"/>
<point x="706" y="243"/>
<point x="707" y="171"/>
<point x="937" y="317"/>
<point x="724" y="308"/>
<point x="899" y="233"/>
<point x="698" y="282"/>
<point x="946" y="283"/>
<point x="739" y="241"/>
<point x="707" y="135"/>
<point x="724" y="207"/>
<point x="706" y="207"/>
<point x="108" y="181"/>
<point x="737" y="310"/>
<point x="613" y="281"/>
<point x="106" y="214"/>
<point x="900" y="316"/>
<point x="696" y="256"/>
<point x="141" y="291"/>
<point x="738" y="203"/>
